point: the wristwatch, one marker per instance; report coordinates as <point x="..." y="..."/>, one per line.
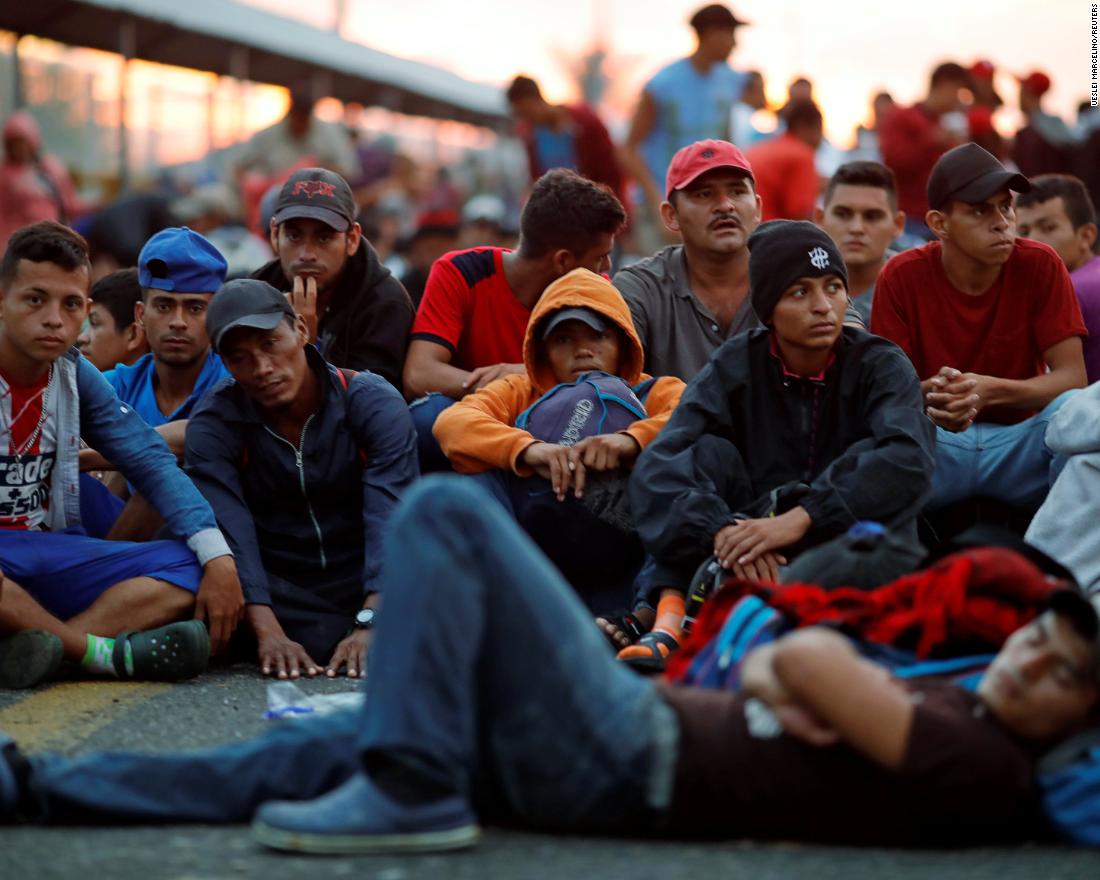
<point x="364" y="618"/>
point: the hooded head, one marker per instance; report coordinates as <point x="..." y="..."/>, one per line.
<point x="21" y="126"/>
<point x="581" y="289"/>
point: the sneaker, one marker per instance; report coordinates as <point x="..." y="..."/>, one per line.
<point x="28" y="658"/>
<point x="359" y="819"/>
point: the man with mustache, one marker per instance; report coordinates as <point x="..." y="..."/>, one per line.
<point x="991" y="323"/>
<point x="687" y="299"/>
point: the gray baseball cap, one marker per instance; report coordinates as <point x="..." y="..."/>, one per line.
<point x="245" y="302"/>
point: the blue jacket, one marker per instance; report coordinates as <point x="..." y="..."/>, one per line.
<point x="88" y="407"/>
<point x="309" y="512"/>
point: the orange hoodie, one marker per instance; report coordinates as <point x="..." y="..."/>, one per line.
<point x="478" y="434"/>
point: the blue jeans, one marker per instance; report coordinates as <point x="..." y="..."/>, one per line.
<point x="1008" y="463"/>
<point x="424" y="411"/>
<point x="487" y="677"/>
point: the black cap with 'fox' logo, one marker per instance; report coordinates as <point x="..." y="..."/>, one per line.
<point x="318" y="194"/>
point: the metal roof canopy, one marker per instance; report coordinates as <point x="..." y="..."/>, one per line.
<point x="228" y="38"/>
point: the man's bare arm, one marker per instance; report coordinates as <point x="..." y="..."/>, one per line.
<point x="428" y="368"/>
<point x="867" y="709"/>
<point x="630" y="155"/>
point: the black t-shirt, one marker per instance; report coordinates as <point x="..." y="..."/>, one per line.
<point x="964" y="777"/>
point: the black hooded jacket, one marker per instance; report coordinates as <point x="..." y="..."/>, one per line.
<point x="366" y="324"/>
<point x="749" y="439"/>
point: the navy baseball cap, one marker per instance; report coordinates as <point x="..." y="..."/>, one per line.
<point x="178" y="259"/>
<point x="585" y="315"/>
<point x="245" y="302"/>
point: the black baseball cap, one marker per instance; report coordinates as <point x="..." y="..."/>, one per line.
<point x="715" y="16"/>
<point x="1084" y="613"/>
<point x="318" y="194"/>
<point x="245" y="302"/>
<point x="970" y="174"/>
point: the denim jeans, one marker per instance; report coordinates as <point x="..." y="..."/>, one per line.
<point x="487" y="676"/>
<point x="1008" y="463"/>
<point x="424" y="411"/>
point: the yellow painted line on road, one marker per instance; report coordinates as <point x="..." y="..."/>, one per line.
<point x="68" y="712"/>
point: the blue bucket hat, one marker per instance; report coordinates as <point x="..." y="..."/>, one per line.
<point x="178" y="259"/>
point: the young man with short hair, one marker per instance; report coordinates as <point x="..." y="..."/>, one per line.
<point x="913" y="138"/>
<point x="687" y="299"/>
<point x="1058" y="211"/>
<point x="993" y="329"/>
<point x="686" y="101"/>
<point x="564" y="136"/>
<point x="506" y="702"/>
<point x="357" y="313"/>
<point x="791" y="434"/>
<point x="80" y="590"/>
<point x="861" y="215"/>
<point x="785" y="166"/>
<point x="472" y="320"/>
<point x="302" y="465"/>
<point x="112" y="335"/>
<point x="178" y="270"/>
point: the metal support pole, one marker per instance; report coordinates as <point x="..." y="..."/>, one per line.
<point x="18" y="99"/>
<point x="127" y="46"/>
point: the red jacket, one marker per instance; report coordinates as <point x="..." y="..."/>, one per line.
<point x="909" y="148"/>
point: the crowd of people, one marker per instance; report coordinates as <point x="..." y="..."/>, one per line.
<point x="208" y="464"/>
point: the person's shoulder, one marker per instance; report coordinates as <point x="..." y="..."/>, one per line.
<point x="125" y="377"/>
<point x="473" y="264"/>
<point x="670" y="73"/>
<point x="741" y="348"/>
<point x="1034" y="255"/>
<point x="871" y="351"/>
<point x="654" y="274"/>
<point x="222" y="401"/>
<point x="271" y="272"/>
<point x="913" y="260"/>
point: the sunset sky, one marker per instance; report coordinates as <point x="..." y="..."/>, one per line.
<point x="849" y="48"/>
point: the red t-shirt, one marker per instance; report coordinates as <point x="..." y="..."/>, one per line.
<point x="909" y="147"/>
<point x="785" y="174"/>
<point x="28" y="447"/>
<point x="469" y="309"/>
<point x="1002" y="332"/>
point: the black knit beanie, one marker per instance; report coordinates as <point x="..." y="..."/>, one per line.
<point x="781" y="252"/>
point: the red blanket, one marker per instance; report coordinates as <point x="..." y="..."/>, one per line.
<point x="975" y="597"/>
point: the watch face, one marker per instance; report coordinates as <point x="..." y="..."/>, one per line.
<point x="365" y="618"/>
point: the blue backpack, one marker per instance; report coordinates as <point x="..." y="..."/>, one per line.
<point x="1069" y="779"/>
<point x="596" y="403"/>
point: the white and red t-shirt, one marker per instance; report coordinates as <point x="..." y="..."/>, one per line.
<point x="26" y="467"/>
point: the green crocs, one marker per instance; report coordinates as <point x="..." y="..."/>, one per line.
<point x="29" y="658"/>
<point x="174" y="652"/>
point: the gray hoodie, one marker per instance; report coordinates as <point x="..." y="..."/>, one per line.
<point x="1067" y="526"/>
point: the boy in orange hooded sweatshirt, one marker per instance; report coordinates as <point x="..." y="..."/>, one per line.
<point x="569" y="496"/>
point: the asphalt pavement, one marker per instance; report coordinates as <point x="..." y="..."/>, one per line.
<point x="79" y="716"/>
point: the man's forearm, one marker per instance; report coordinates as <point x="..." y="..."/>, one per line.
<point x="421" y="379"/>
<point x="1032" y="394"/>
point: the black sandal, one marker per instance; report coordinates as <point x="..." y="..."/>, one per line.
<point x="626" y="623"/>
<point x="174" y="652"/>
<point x="653" y="662"/>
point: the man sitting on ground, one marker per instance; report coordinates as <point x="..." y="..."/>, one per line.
<point x="178" y="271"/>
<point x="791" y="434"/>
<point x="992" y="326"/>
<point x="302" y="464"/>
<point x="455" y="722"/>
<point x="861" y="215"/>
<point x="356" y="312"/>
<point x="1058" y="211"/>
<point x="81" y="591"/>
<point x="471" y="323"/>
<point x="580" y="326"/>
<point x="687" y="299"/>
<point x="112" y="335"/>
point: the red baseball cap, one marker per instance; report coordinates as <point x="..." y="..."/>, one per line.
<point x="982" y="69"/>
<point x="1035" y="82"/>
<point x="700" y="157"/>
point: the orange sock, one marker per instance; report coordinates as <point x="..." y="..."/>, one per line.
<point x="670" y="618"/>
